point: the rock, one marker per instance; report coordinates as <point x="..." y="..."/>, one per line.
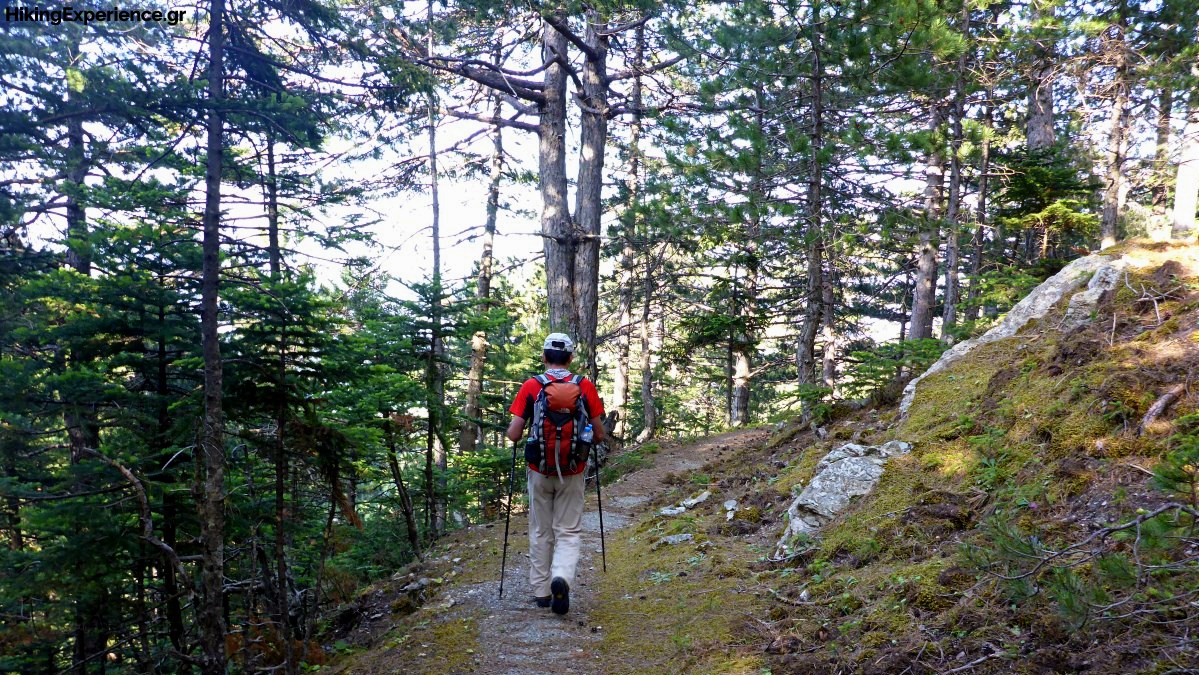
<point x="418" y="585"/>
<point x="672" y="510"/>
<point x="1083" y="303"/>
<point x="1100" y="270"/>
<point x="730" y="505"/>
<point x="847" y="472"/>
<point x="696" y="500"/>
<point x="672" y="540"/>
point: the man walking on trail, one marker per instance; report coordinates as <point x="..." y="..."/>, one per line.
<point x="556" y="455"/>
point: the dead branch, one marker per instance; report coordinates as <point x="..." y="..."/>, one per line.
<point x="147" y="518"/>
<point x="1152" y="295"/>
<point x="1161" y="405"/>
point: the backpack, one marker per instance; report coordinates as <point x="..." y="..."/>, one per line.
<point x="559" y="416"/>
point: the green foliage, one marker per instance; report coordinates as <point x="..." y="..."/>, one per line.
<point x="999" y="290"/>
<point x="1178" y="472"/>
<point x="876" y="371"/>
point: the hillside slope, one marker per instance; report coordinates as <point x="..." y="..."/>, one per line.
<point x="1024" y="532"/>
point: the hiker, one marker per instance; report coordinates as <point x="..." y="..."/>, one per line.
<point x="560" y="405"/>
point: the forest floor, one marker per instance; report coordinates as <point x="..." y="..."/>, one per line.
<point x="464" y="626"/>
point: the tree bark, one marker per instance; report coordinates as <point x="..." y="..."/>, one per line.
<point x="436" y="372"/>
<point x="555" y="216"/>
<point x="745" y="300"/>
<point x="924" y="293"/>
<point x="1161" y="154"/>
<point x="79" y="418"/>
<point x="628" y="254"/>
<point x="1186" y="185"/>
<point x="471" y="430"/>
<point x="275" y="254"/>
<point x="949" y="313"/>
<point x="211" y="467"/>
<point x="1039" y="128"/>
<point x="805" y="357"/>
<point x="649" y="412"/>
<point x="593" y="137"/>
<point x="393" y="462"/>
<point x="1117" y="138"/>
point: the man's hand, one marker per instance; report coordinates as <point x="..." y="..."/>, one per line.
<point x="599" y="433"/>
<point x="516" y="428"/>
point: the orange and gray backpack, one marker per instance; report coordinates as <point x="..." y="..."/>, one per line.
<point x="559" y="416"/>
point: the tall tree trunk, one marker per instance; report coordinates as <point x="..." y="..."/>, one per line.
<point x="924" y="293"/>
<point x="980" y="214"/>
<point x="275" y="254"/>
<point x="593" y="139"/>
<point x="805" y="357"/>
<point x="436" y="374"/>
<point x="650" y="413"/>
<point x="1186" y="186"/>
<point x="828" y="328"/>
<point x="1161" y="154"/>
<point x="471" y="431"/>
<point x="211" y="467"/>
<point x="1117" y="138"/>
<point x="1039" y="129"/>
<point x="83" y="430"/>
<point x="557" y="236"/>
<point x="949" y="314"/>
<point x="742" y="342"/>
<point x="628" y="254"/>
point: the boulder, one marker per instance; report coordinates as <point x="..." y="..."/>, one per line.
<point x="1101" y="274"/>
<point x="849" y="471"/>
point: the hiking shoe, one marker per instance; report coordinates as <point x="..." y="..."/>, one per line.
<point x="559" y="595"/>
<point x="543" y="602"/>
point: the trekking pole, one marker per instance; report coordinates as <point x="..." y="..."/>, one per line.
<point x="508" y="518"/>
<point x="600" y="501"/>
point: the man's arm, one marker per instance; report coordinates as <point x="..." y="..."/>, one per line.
<point x="597" y="429"/>
<point x="516" y="428"/>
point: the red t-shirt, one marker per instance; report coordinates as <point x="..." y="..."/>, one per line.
<point x="522" y="405"/>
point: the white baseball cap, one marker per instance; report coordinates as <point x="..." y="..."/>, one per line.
<point x="560" y="341"/>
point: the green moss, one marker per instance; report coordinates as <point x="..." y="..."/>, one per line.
<point x="801" y="469"/>
<point x="678" y="605"/>
<point x="943" y="397"/>
<point x="752" y="514"/>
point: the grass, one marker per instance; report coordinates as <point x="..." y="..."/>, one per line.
<point x="1031" y="430"/>
<point x="627" y="462"/>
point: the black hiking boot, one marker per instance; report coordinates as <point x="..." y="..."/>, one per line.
<point x="542" y="602"/>
<point x="559" y="595"/>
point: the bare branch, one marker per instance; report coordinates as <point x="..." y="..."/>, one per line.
<point x="633" y="72"/>
<point x="574" y="39"/>
<point x="510" y="122"/>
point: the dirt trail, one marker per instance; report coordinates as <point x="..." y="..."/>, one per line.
<point x="517" y="637"/>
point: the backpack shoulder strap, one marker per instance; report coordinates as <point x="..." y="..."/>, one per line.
<point x="542" y="379"/>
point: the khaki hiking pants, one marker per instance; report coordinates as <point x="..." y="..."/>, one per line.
<point x="555" y="521"/>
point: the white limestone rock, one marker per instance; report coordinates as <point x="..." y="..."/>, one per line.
<point x="851" y="470"/>
<point x="1101" y="273"/>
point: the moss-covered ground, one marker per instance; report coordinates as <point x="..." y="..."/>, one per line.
<point x="1025" y="446"/>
